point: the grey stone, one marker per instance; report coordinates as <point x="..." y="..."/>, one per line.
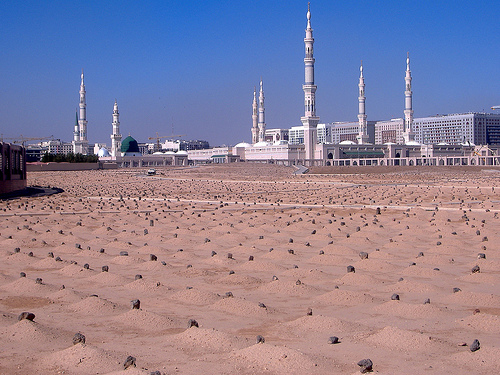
<point x="351" y="269"/>
<point x="229" y="295"/>
<point x="363" y="255"/>
<point x="213" y="253"/>
<point x="366" y="365"/>
<point x="476" y="269"/>
<point x="50" y="254"/>
<point x="475" y="346"/>
<point x="153" y="257"/>
<point x="298" y="282"/>
<point x="309" y="311"/>
<point x="78" y="338"/>
<point x="86" y="266"/>
<point x="26" y="315"/>
<point x="22" y="274"/>
<point x="421" y="254"/>
<point x="192" y="323"/>
<point x="333" y="340"/>
<point x="290" y="251"/>
<point x="39" y="280"/>
<point x="124" y="253"/>
<point x="427" y="301"/>
<point x="262" y="305"/>
<point x="136" y="304"/>
<point x="129" y="362"/>
<point x="229" y="256"/>
<point x="275" y="278"/>
<point x="481" y="256"/>
<point x="395" y="297"/>
<point x="250" y="258"/>
<point x="104" y="268"/>
<point x="456" y="290"/>
<point x="260" y="339"/>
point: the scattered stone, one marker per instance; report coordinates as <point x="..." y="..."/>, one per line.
<point x="412" y="264"/>
<point x="456" y="290"/>
<point x="229" y="256"/>
<point x="485" y="239"/>
<point x="260" y="339"/>
<point x="298" y="282"/>
<point x="309" y="311"/>
<point x="475" y="346"/>
<point x="26" y="315"/>
<point x="250" y="258"/>
<point x="129" y="362"/>
<point x="50" y="254"/>
<point x="192" y="323"/>
<point x="427" y="301"/>
<point x="378" y="211"/>
<point x="22" y="274"/>
<point x="136" y="304"/>
<point x="481" y="256"/>
<point x="17" y="250"/>
<point x="421" y="254"/>
<point x="146" y="231"/>
<point x="333" y="340"/>
<point x="366" y="366"/>
<point x="395" y="297"/>
<point x="321" y="252"/>
<point x="78" y="246"/>
<point x="262" y="305"/>
<point x="30" y="254"/>
<point x="101" y="251"/>
<point x="213" y="253"/>
<point x="231" y="272"/>
<point x="153" y="258"/>
<point x="400" y="279"/>
<point x="290" y="251"/>
<point x="38" y="280"/>
<point x="476" y="311"/>
<point x="290" y="240"/>
<point x="275" y="278"/>
<point x="476" y="269"/>
<point x="124" y="253"/>
<point x="351" y="269"/>
<point x="363" y="255"/>
<point x="58" y="259"/>
<point x="438" y="243"/>
<point x="78" y="338"/>
<point x="104" y="268"/>
<point x="86" y="266"/>
<point x="229" y="295"/>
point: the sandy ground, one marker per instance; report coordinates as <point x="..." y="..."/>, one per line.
<point x="422" y="230"/>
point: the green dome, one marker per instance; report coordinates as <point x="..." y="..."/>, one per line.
<point x="129" y="144"/>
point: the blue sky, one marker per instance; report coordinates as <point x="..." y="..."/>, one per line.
<point x="190" y="66"/>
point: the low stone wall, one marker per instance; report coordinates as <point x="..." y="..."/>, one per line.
<point x="41" y="167"/>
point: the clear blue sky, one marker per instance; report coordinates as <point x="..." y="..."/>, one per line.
<point x="192" y="65"/>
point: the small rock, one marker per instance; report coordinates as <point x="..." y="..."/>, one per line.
<point x="476" y="311"/>
<point x="475" y="346"/>
<point x="229" y="295"/>
<point x="138" y="277"/>
<point x="229" y="256"/>
<point x="26" y="315"/>
<point x="333" y="340"/>
<point x="275" y="278"/>
<point x="363" y="255"/>
<point x="104" y="268"/>
<point x="192" y="323"/>
<point x="321" y="252"/>
<point x="213" y="253"/>
<point x="86" y="266"/>
<point x="50" y="254"/>
<point x="395" y="297"/>
<point x="427" y="301"/>
<point x="250" y="258"/>
<point x="351" y="269"/>
<point x="22" y="274"/>
<point x="129" y="362"/>
<point x="153" y="258"/>
<point x="481" y="256"/>
<point x="290" y="251"/>
<point x="262" y="305"/>
<point x="309" y="311"/>
<point x="231" y="272"/>
<point x="38" y="280"/>
<point x="260" y="339"/>
<point x="366" y="365"/>
<point x="78" y="338"/>
<point x="456" y="290"/>
<point x="136" y="304"/>
<point x="476" y="269"/>
<point x="421" y="254"/>
<point x="124" y="253"/>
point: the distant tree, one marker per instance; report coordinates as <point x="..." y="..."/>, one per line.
<point x="69" y="158"/>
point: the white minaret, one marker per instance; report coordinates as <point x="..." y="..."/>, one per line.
<point x="116" y="137"/>
<point x="262" y="123"/>
<point x="362" y="137"/>
<point x="82" y="123"/>
<point x="255" y="124"/>
<point x="309" y="121"/>
<point x="76" y="132"/>
<point x="408" y="135"/>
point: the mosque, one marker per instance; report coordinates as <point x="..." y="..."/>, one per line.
<point x="459" y="139"/>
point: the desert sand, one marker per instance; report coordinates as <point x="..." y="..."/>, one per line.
<point x="248" y="250"/>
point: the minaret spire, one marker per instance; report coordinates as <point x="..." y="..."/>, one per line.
<point x="262" y="123"/>
<point x="362" y="136"/>
<point x="116" y="137"/>
<point x="408" y="135"/>
<point x="309" y="120"/>
<point x="80" y="141"/>
<point x="255" y="126"/>
<point x="76" y="132"/>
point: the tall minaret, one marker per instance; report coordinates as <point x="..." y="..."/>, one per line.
<point x="362" y="137"/>
<point x="255" y="126"/>
<point x="82" y="124"/>
<point x="262" y="124"/>
<point x="408" y="135"/>
<point x="116" y="137"/>
<point x="76" y="132"/>
<point x="309" y="121"/>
